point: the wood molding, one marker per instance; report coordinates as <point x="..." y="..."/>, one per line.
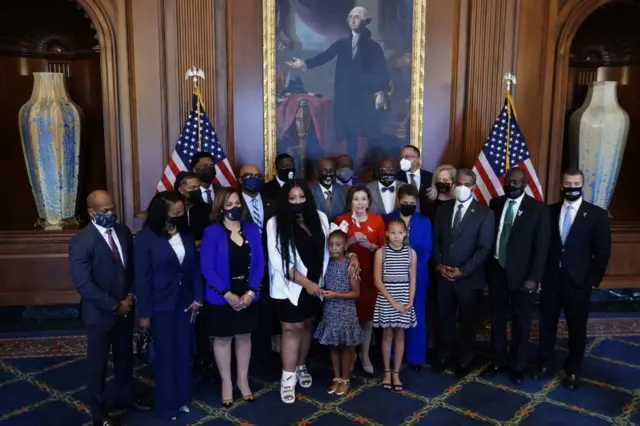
<point x="491" y="53"/>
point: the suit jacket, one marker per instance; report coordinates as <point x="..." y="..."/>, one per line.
<point x="377" y="205"/>
<point x="102" y="280"/>
<point x="268" y="210"/>
<point x="468" y="247"/>
<point x="199" y="214"/>
<point x="425" y="183"/>
<point x="270" y="190"/>
<point x="214" y="260"/>
<point x="162" y="283"/>
<point x="528" y="242"/>
<point x="585" y="254"/>
<point x="338" y="200"/>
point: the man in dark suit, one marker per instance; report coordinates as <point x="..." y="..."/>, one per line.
<point x="462" y="243"/>
<point x="285" y="171"/>
<point x="516" y="270"/>
<point x="578" y="256"/>
<point x="330" y="198"/>
<point x="203" y="165"/>
<point x="384" y="189"/>
<point x="101" y="260"/>
<point x="261" y="209"/>
<point x="410" y="172"/>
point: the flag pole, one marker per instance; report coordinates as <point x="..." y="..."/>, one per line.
<point x="196" y="73"/>
<point x="509" y="80"/>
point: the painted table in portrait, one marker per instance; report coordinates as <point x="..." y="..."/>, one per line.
<point x="342" y="77"/>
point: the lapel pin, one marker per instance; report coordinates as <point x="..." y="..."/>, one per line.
<point x="519" y="213"/>
<point x="473" y="210"/>
<point x="584" y="214"/>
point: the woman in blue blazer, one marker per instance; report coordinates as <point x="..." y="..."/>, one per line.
<point x="169" y="291"/>
<point x="421" y="241"/>
<point x="232" y="262"/>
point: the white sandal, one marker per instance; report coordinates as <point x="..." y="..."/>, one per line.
<point x="304" y="378"/>
<point x="288" y="389"/>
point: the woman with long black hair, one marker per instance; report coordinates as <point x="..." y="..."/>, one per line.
<point x="298" y="258"/>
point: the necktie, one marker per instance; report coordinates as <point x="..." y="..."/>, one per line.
<point x="328" y="201"/>
<point x="566" y="224"/>
<point x="413" y="180"/>
<point x="391" y="189"/>
<point x="256" y="213"/>
<point x="504" y="235"/>
<point x="112" y="245"/>
<point x="458" y="218"/>
<point x="208" y="192"/>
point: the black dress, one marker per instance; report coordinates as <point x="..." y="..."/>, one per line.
<point x="224" y="321"/>
<point x="311" y="251"/>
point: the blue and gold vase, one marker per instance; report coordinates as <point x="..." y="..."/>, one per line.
<point x="50" y="126"/>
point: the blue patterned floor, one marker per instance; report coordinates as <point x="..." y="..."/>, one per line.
<point x="42" y="383"/>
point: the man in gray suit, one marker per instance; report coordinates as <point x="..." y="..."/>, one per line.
<point x="384" y="190"/>
<point x="462" y="242"/>
<point x="330" y="198"/>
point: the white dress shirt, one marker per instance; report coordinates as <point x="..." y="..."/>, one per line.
<point x="178" y="247"/>
<point x="388" y="197"/>
<point x="465" y="207"/>
<point x="575" y="206"/>
<point x="281" y="287"/>
<point x="416" y="178"/>
<point x="516" y="209"/>
<point x="280" y="182"/>
<point x="103" y="232"/>
<point x="250" y="201"/>
<point x="203" y="190"/>
<point x="325" y="191"/>
<point x="354" y="43"/>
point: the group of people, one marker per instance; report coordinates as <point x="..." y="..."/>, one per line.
<point x="277" y="264"/>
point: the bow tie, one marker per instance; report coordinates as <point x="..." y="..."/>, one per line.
<point x="391" y="189"/>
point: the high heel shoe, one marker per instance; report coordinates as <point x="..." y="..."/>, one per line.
<point x="227" y="403"/>
<point x="248" y="398"/>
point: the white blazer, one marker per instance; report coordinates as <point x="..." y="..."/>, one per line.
<point x="281" y="286"/>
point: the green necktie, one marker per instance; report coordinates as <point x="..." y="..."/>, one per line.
<point x="504" y="235"/>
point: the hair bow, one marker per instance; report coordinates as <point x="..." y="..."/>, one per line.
<point x="344" y="227"/>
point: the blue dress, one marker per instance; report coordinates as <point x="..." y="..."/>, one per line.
<point x="339" y="325"/>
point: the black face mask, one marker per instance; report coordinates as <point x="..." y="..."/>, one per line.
<point x="298" y="208"/>
<point x="327" y="179"/>
<point x="387" y="179"/>
<point x="443" y="187"/>
<point x="207" y="174"/>
<point x="513" y="192"/>
<point x="181" y="223"/>
<point x="407" y="209"/>
<point x="194" y="196"/>
<point x="286" y="175"/>
<point x="572" y="194"/>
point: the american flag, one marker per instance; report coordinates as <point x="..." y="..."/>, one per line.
<point x="197" y="135"/>
<point x="505" y="148"/>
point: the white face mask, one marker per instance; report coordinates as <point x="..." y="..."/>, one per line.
<point x="405" y="165"/>
<point x="462" y="193"/>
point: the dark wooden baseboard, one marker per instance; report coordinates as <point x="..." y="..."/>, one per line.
<point x="34" y="267"/>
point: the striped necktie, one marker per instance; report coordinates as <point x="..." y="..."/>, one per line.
<point x="566" y="224"/>
<point x="256" y="213"/>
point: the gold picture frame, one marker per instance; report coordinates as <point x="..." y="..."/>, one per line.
<point x="416" y="108"/>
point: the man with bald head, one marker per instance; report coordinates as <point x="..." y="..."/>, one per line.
<point x="330" y="198"/>
<point x="514" y="271"/>
<point x="384" y="190"/>
<point x="101" y="260"/>
<point x="261" y="208"/>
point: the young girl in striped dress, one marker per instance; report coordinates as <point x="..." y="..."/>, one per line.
<point x="395" y="278"/>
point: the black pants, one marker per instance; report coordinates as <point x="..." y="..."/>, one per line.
<point x="456" y="306"/>
<point x="574" y="300"/>
<point x="100" y="340"/>
<point x="502" y="300"/>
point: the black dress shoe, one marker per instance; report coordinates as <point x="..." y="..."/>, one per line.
<point x="462" y="371"/>
<point x="137" y="404"/>
<point x="415" y="367"/>
<point x="571" y="382"/>
<point x="491" y="370"/>
<point x="516" y="376"/>
<point x="437" y="366"/>
<point x="542" y="373"/>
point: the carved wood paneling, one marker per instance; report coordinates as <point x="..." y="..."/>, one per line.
<point x="491" y="34"/>
<point x="196" y="47"/>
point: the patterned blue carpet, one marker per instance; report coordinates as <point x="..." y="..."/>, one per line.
<point x="42" y="383"/>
